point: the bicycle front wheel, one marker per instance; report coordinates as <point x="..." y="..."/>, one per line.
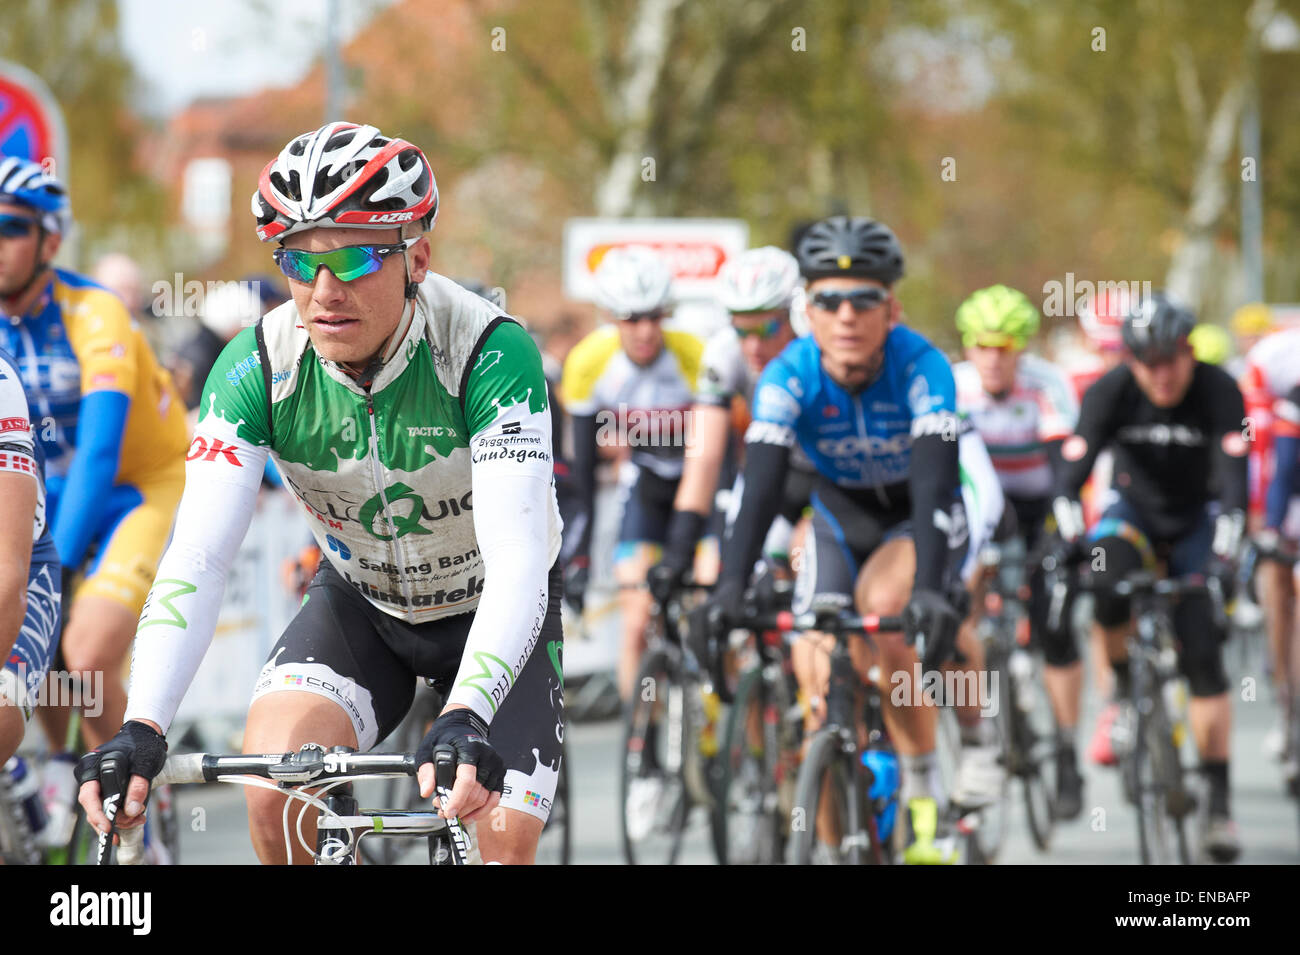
<point x="653" y="799"/>
<point x="828" y="824"/>
<point x="1159" y="793"/>
<point x="748" y="825"/>
<point x="1030" y="754"/>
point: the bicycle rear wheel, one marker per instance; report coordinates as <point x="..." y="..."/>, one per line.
<point x="829" y="825"/>
<point x="653" y="799"/>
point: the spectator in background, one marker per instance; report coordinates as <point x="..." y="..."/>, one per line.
<point x="226" y="310"/>
<point x="122" y="276"/>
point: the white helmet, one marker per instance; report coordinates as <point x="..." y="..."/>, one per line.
<point x="230" y="307"/>
<point x="632" y="280"/>
<point x="758" y="280"/>
<point x="346" y="176"/>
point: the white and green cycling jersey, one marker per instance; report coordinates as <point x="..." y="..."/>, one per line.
<point x="429" y="489"/>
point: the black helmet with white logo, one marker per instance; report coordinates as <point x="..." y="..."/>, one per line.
<point x="1155" y="326"/>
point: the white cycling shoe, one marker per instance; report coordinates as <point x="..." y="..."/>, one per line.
<point x="642" y="809"/>
<point x="980" y="777"/>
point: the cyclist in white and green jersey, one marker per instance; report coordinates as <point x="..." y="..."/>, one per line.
<point x="1024" y="408"/>
<point x="409" y="417"/>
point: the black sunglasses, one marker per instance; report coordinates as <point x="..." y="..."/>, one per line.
<point x="862" y="299"/>
<point x="15" y="227"/>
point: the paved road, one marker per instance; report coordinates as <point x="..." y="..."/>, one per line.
<point x="1105" y="834"/>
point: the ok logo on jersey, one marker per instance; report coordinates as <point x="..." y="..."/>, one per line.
<point x="200" y="448"/>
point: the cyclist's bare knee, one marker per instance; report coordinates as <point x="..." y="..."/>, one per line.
<point x="510" y="837"/>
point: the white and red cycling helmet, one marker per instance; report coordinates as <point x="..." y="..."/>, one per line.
<point x="344" y="176"/>
<point x="1102" y="317"/>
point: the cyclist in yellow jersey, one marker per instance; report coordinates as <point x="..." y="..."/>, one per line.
<point x="630" y="384"/>
<point x="112" y="427"/>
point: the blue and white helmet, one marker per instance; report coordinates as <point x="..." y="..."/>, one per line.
<point x="633" y="280"/>
<point x="27" y="183"/>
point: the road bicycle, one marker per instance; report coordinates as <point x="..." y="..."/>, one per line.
<point x="1151" y="765"/>
<point x="341" y="825"/>
<point x="1023" y="716"/>
<point x="847" y="809"/>
<point x="669" y="740"/>
<point x="835" y="820"/>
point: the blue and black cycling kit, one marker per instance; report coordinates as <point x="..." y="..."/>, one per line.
<point x="887" y="450"/>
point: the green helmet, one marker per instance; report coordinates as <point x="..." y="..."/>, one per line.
<point x="997" y="317"/>
<point x="1211" y="343"/>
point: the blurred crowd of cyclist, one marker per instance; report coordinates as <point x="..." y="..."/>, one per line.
<point x="815" y="430"/>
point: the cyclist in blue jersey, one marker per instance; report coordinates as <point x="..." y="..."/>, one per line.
<point x="873" y="406"/>
<point x="113" y="433"/>
<point x="29" y="564"/>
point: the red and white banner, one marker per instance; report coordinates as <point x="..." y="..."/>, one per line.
<point x="694" y="249"/>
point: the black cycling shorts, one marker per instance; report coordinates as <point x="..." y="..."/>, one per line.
<point x="342" y="647"/>
<point x="647" y="505"/>
<point x="844" y="533"/>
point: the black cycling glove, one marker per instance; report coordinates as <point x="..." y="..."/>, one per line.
<point x="931" y="618"/>
<point x="463" y="732"/>
<point x="145" y="750"/>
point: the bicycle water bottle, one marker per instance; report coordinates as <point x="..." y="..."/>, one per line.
<point x="1176" y="706"/>
<point x="59" y="794"/>
<point x="884" y="787"/>
<point x="1021" y="667"/>
<point x="27" y="793"/>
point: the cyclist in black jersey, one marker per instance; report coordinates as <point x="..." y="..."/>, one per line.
<point x="1174" y="426"/>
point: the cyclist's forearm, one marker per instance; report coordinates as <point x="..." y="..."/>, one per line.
<point x="933" y="485"/>
<point x="583" y="477"/>
<point x="101" y="422"/>
<point x="767" y="457"/>
<point x="514" y="539"/>
<point x="180" y="615"/>
<point x="705" y="449"/>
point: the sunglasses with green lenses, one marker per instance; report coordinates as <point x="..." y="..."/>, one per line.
<point x="348" y="263"/>
<point x="763" y="330"/>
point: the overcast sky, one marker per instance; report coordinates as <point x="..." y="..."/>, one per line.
<point x="227" y="47"/>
